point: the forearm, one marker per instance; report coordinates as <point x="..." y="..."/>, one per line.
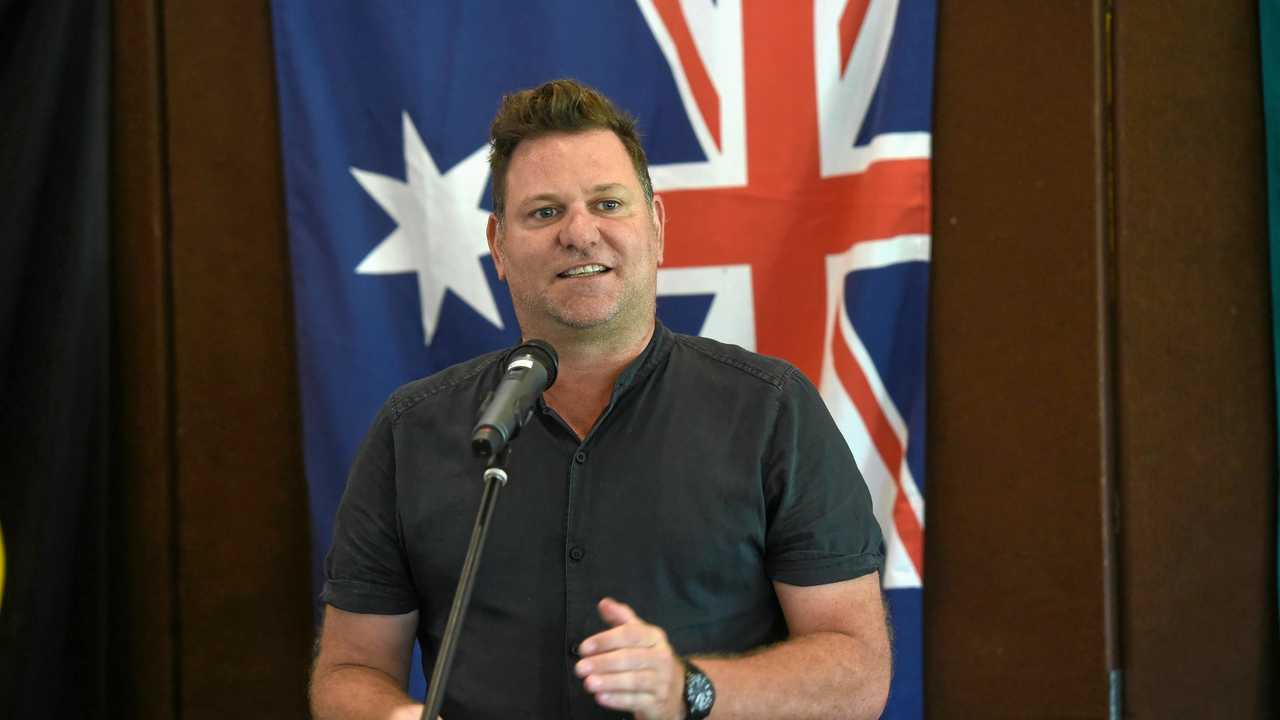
<point x="822" y="675"/>
<point x="357" y="692"/>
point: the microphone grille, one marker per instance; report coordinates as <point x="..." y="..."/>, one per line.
<point x="543" y="353"/>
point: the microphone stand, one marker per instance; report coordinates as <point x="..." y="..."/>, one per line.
<point x="495" y="476"/>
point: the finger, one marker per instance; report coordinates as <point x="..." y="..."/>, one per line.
<point x="631" y="635"/>
<point x="636" y="681"/>
<point x="619" y="661"/>
<point x="624" y="700"/>
<point x="615" y="613"/>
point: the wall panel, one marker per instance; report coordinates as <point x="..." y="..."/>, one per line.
<point x="1016" y="602"/>
<point x="146" y="628"/>
<point x="242" y="503"/>
<point x="1196" y="420"/>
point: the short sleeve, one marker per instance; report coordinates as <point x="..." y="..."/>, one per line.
<point x="821" y="527"/>
<point x="365" y="570"/>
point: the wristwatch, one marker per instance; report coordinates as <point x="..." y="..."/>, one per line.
<point x="699" y="693"/>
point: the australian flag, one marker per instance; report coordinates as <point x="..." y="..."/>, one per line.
<point x="790" y="141"/>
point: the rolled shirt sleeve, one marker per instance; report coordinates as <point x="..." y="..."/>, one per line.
<point x="821" y="525"/>
<point x="365" y="568"/>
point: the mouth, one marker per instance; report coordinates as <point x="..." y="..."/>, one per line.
<point x="582" y="271"/>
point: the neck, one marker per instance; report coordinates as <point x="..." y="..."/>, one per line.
<point x="589" y="367"/>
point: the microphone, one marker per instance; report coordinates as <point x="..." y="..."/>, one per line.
<point x="531" y="368"/>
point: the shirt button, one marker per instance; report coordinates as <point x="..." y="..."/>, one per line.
<point x="580" y="457"/>
<point x="577" y="553"/>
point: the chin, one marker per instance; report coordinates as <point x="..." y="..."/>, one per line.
<point x="585" y="321"/>
<point x="586" y="314"/>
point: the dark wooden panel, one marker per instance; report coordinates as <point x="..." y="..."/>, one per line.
<point x="1196" y="416"/>
<point x="245" y="573"/>
<point x="145" y="637"/>
<point x="1015" y="596"/>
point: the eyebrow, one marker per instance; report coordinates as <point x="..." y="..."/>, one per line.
<point x="610" y="187"/>
<point x="553" y="197"/>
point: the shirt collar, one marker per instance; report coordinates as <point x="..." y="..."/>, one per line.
<point x="642" y="366"/>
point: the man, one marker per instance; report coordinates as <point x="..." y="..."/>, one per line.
<point x="683" y="519"/>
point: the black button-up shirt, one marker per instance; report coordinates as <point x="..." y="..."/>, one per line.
<point x="712" y="472"/>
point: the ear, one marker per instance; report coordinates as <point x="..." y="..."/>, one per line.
<point x="660" y="223"/>
<point x="493" y="231"/>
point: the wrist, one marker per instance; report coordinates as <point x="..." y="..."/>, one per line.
<point x="699" y="693"/>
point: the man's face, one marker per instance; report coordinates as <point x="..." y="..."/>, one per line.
<point x="578" y="245"/>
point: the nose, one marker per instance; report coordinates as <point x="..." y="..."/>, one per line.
<point x="579" y="229"/>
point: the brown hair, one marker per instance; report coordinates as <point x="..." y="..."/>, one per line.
<point x="558" y="106"/>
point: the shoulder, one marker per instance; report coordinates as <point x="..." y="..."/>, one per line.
<point x="735" y="363"/>
<point x="463" y="379"/>
<point x="707" y="368"/>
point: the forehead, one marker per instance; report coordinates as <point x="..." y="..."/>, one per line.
<point x="562" y="162"/>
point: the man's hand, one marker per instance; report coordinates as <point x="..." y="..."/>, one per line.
<point x="631" y="666"/>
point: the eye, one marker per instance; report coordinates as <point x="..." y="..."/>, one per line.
<point x="610" y="205"/>
<point x="545" y="213"/>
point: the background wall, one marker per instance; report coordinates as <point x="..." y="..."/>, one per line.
<point x="1102" y="484"/>
<point x="216" y="602"/>
<point x="1018" y="598"/>
<point x="1102" y="434"/>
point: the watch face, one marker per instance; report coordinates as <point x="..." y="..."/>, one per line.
<point x="698" y="694"/>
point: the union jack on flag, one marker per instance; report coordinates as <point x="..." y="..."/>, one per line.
<point x="790" y="142"/>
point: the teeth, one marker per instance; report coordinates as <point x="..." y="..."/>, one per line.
<point x="584" y="270"/>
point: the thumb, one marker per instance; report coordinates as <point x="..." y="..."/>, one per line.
<point x="615" y="613"/>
